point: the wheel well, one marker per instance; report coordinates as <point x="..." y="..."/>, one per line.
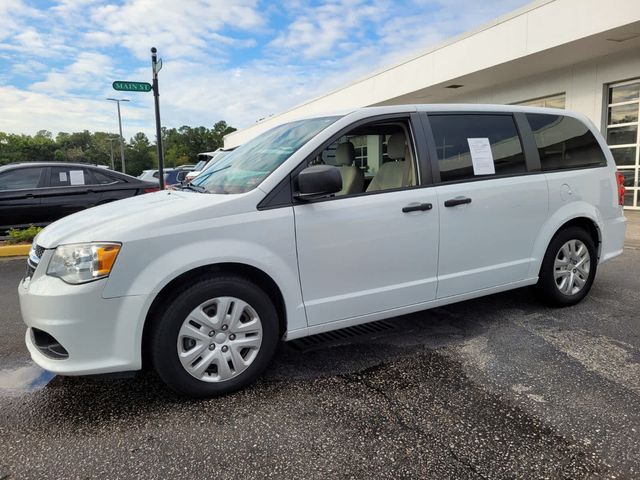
<point x="588" y="225"/>
<point x="255" y="275"/>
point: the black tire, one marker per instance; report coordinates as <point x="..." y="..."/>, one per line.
<point x="548" y="289"/>
<point x="163" y="338"/>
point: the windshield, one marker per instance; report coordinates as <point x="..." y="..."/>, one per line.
<point x="200" y="165"/>
<point x="246" y="167"/>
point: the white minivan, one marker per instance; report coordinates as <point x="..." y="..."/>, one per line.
<point x="320" y="224"/>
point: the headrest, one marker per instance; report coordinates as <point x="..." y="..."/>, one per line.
<point x="345" y="154"/>
<point x="395" y="146"/>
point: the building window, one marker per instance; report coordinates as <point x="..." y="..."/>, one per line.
<point x="552" y="101"/>
<point x="623" y="110"/>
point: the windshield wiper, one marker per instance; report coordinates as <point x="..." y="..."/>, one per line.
<point x="195" y="188"/>
<point x="205" y="175"/>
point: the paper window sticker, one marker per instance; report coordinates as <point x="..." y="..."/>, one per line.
<point x="481" y="156"/>
<point x="76" y="177"/>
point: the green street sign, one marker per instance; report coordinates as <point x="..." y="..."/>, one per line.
<point x="132" y="86"/>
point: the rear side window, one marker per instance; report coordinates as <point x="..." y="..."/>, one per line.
<point x="67" y="177"/>
<point x="20" y="179"/>
<point x="472" y="146"/>
<point x="103" y="178"/>
<point x="564" y="142"/>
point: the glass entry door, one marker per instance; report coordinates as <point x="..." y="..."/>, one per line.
<point x="623" y="136"/>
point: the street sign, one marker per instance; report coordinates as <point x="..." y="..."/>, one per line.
<point x="158" y="66"/>
<point x="132" y="86"/>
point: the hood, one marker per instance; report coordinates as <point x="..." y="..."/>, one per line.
<point x="137" y="217"/>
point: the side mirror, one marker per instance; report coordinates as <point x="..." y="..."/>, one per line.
<point x="318" y="181"/>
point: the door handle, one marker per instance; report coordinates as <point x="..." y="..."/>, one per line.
<point x="457" y="201"/>
<point x="419" y="207"/>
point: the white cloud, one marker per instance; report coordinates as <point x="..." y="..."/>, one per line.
<point x="13" y="14"/>
<point x="335" y="25"/>
<point x="180" y="29"/>
<point x="321" y="47"/>
<point x="87" y="69"/>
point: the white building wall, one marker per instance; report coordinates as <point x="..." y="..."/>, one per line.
<point x="584" y="85"/>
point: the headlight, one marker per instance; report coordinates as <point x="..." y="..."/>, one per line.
<point x="83" y="262"/>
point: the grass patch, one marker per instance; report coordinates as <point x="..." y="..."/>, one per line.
<point x="22" y="235"/>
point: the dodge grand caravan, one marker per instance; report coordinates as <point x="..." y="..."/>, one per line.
<point x="320" y="224"/>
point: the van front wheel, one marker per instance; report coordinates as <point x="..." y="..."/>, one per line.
<point x="569" y="267"/>
<point x="215" y="336"/>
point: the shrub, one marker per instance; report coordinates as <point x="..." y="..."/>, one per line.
<point x="24" y="235"/>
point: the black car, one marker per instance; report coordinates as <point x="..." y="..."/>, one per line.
<point x="40" y="193"/>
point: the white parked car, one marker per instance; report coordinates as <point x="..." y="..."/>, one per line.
<point x="206" y="160"/>
<point x="321" y="224"/>
<point x="152" y="175"/>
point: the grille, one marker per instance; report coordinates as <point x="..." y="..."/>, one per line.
<point x="33" y="260"/>
<point x="39" y="251"/>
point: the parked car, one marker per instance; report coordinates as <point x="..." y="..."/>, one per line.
<point x="152" y="175"/>
<point x="321" y="224"/>
<point x="175" y="176"/>
<point x="214" y="158"/>
<point x="40" y="193"/>
<point x="205" y="159"/>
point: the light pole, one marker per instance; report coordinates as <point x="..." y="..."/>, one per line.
<point x="118" y="100"/>
<point x="111" y="140"/>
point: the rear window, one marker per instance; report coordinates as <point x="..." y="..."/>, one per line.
<point x="564" y="142"/>
<point x="470" y="146"/>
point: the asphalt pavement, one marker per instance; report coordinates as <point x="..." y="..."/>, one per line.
<point x="499" y="387"/>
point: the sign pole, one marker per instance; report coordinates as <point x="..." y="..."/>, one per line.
<point x="156" y="98"/>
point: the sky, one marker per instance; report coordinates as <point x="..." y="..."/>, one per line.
<point x="232" y="60"/>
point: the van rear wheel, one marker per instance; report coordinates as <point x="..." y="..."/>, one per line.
<point x="214" y="337"/>
<point x="568" y="268"/>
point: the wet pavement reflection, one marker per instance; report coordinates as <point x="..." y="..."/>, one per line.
<point x="22" y="379"/>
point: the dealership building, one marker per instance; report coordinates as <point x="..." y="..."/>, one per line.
<point x="582" y="55"/>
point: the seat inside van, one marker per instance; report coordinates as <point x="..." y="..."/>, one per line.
<point x="352" y="176"/>
<point x="372" y="158"/>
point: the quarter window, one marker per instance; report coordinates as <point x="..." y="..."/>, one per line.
<point x="103" y="178"/>
<point x="20" y="179"/>
<point x="470" y="146"/>
<point x="564" y="142"/>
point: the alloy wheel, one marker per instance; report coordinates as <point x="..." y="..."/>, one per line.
<point x="571" y="267"/>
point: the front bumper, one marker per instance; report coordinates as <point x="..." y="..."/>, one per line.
<point x="100" y="335"/>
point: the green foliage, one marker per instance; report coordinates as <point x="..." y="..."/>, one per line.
<point x="24" y="235"/>
<point x="180" y="146"/>
<point x="183" y="144"/>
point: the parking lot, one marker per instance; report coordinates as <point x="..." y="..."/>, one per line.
<point x="498" y="387"/>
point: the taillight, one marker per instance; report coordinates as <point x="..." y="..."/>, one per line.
<point x="150" y="189"/>
<point x="621" y="189"/>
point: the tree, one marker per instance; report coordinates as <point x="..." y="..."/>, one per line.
<point x="138" y="155"/>
<point x="180" y="145"/>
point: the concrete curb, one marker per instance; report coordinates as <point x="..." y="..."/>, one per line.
<point x="14" y="250"/>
